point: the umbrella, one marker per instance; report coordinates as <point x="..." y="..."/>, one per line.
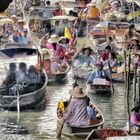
<point x="6" y="20"/>
<point x="64" y="17"/>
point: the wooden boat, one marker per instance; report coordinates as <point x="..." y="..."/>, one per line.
<point x="104" y="88"/>
<point x="30" y="94"/>
<point x="59" y="77"/>
<point x="79" y="131"/>
<point x="104" y="133"/>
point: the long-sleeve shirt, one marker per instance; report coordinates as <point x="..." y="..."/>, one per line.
<point x="98" y="74"/>
<point x="83" y="59"/>
<point x="76" y="114"/>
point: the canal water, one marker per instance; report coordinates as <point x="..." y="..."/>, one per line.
<point x="42" y="125"/>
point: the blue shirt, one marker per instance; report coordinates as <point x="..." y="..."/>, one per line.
<point x="91" y="112"/>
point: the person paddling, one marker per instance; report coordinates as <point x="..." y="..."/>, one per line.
<point x="76" y="113"/>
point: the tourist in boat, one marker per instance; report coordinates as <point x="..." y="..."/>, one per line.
<point x="105" y="53"/>
<point x="21" y="25"/>
<point x="11" y="74"/>
<point x="21" y="74"/>
<point x="98" y="73"/>
<point x="92" y="11"/>
<point x="135" y="118"/>
<point x="21" y="38"/>
<point x="33" y="75"/>
<point x="27" y="38"/>
<point x="130" y="33"/>
<point x="14" y="38"/>
<point x="76" y="113"/>
<point x="83" y="58"/>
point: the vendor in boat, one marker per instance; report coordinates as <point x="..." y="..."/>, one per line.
<point x="83" y="58"/>
<point x="58" y="10"/>
<point x="98" y="73"/>
<point x="135" y="118"/>
<point x="130" y="33"/>
<point x="76" y="113"/>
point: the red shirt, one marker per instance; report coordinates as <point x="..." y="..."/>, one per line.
<point x="105" y="56"/>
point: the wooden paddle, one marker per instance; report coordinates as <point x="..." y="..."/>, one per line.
<point x="110" y="69"/>
<point x="61" y="127"/>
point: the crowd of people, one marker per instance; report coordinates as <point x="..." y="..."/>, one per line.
<point x="15" y="32"/>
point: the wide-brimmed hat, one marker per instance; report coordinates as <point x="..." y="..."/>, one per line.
<point x="99" y="63"/>
<point x="136" y="106"/>
<point x="53" y="39"/>
<point x="77" y="92"/>
<point x="21" y="21"/>
<point x="14" y="16"/>
<point x="87" y="47"/>
<point x="45" y="54"/>
<point x="92" y="3"/>
<point x="135" y="38"/>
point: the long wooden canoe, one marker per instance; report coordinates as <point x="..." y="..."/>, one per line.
<point x="100" y="89"/>
<point x="104" y="133"/>
<point x="79" y="131"/>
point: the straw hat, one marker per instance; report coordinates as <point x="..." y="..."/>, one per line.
<point x="134" y="38"/>
<point x="45" y="54"/>
<point x="77" y="92"/>
<point x="136" y="106"/>
<point x="14" y="16"/>
<point x="21" y="21"/>
<point x="53" y="39"/>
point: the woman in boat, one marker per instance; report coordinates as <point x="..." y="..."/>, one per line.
<point x="76" y="113"/>
<point x="84" y="58"/>
<point x="54" y="46"/>
<point x="21" y="25"/>
<point x="105" y="53"/>
<point x="112" y="61"/>
<point x="14" y="37"/>
<point x="135" y="117"/>
<point x="130" y="33"/>
<point x="58" y="10"/>
<point x="135" y="45"/>
<point x="98" y="73"/>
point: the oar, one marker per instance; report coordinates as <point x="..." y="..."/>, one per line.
<point x="110" y="69"/>
<point x="61" y="127"/>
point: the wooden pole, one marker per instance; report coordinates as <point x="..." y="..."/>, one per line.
<point x="125" y="72"/>
<point x="135" y="82"/>
<point x="139" y="84"/>
<point x="128" y="81"/>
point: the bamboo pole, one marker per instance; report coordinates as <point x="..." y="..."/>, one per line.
<point x="135" y="83"/>
<point x="139" y="84"/>
<point x="125" y="73"/>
